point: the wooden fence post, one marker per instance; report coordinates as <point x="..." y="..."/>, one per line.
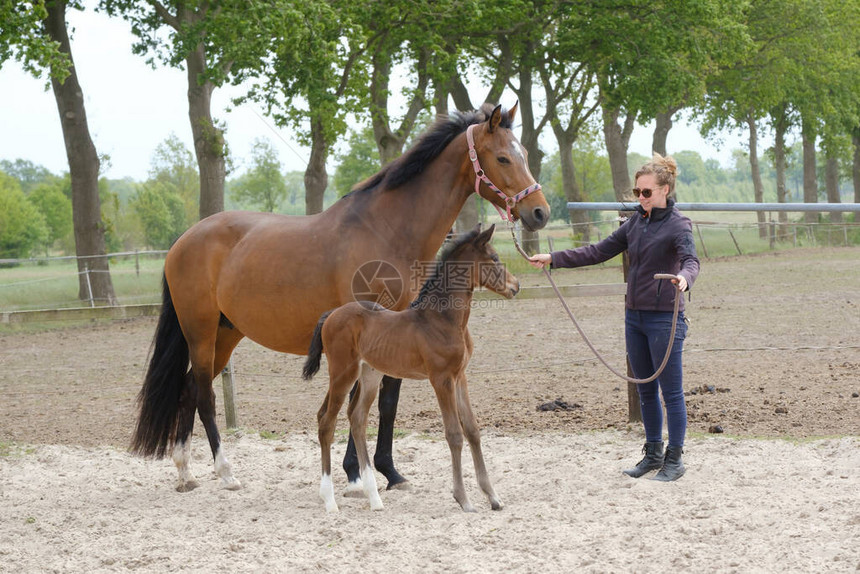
<point x="738" y="247"/>
<point x="634" y="409"/>
<point x="89" y="285"/>
<point x="229" y="395"/>
<point x="702" y="239"/>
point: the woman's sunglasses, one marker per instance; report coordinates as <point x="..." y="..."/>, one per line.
<point x="646" y="193"/>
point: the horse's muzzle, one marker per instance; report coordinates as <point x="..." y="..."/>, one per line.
<point x="512" y="288"/>
<point x="535" y="218"/>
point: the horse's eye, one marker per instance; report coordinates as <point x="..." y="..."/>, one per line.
<point x="503" y="160"/>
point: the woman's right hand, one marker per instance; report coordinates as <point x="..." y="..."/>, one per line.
<point x="539" y="260"/>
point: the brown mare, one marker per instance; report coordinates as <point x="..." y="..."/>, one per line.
<point x="270" y="277"/>
<point x="429" y="340"/>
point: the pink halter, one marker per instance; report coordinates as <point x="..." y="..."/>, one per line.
<point x="510" y="202"/>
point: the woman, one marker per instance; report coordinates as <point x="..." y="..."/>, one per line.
<point x="658" y="240"/>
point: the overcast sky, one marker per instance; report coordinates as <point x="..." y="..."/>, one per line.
<point x="131" y="108"/>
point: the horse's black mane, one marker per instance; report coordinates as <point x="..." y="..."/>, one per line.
<point x="428" y="148"/>
<point x="436" y="280"/>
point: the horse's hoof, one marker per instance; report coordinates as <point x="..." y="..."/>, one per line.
<point x="330" y="508"/>
<point x="403" y="485"/>
<point x="230" y="484"/>
<point x="496" y="504"/>
<point x="354" y="489"/>
<point x="187" y="486"/>
<point x="377" y="505"/>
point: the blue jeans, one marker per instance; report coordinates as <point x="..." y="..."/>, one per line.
<point x="647" y="337"/>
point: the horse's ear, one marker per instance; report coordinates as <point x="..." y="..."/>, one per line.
<point x="485" y="236"/>
<point x="512" y="113"/>
<point x="495" y="118"/>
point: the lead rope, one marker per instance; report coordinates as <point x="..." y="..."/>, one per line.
<point x="558" y="294"/>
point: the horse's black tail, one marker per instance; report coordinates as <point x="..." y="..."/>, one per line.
<point x="312" y="364"/>
<point x="162" y="387"/>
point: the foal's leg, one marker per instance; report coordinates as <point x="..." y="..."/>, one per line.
<point x="389" y="395"/>
<point x="327" y="417"/>
<point x="445" y="394"/>
<point x="358" y="413"/>
<point x="341" y="376"/>
<point x="350" y="459"/>
<point x="473" y="435"/>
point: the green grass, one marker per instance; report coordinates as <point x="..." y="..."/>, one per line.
<point x="55" y="284"/>
<point x="9" y="450"/>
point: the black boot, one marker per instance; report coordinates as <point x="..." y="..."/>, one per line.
<point x="673" y="468"/>
<point x="653" y="460"/>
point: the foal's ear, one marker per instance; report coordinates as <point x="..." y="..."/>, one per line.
<point x="485" y="236"/>
<point x="495" y="118"/>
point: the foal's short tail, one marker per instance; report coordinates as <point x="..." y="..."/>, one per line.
<point x="162" y="387"/>
<point x="312" y="364"/>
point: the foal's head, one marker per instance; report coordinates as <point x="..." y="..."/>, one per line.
<point x="466" y="263"/>
<point x="474" y="250"/>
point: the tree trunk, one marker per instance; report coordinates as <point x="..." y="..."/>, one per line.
<point x="831" y="177"/>
<point x="94" y="272"/>
<point x="468" y="217"/>
<point x="529" y="139"/>
<point x="460" y="95"/>
<point x="617" y="141"/>
<point x="316" y="176"/>
<point x="758" y="186"/>
<point x="780" y="127"/>
<point x="388" y="141"/>
<point x="810" y="179"/>
<point x="578" y="217"/>
<point x="208" y="138"/>
<point x="663" y="123"/>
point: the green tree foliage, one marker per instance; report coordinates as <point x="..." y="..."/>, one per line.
<point x="358" y="162"/>
<point x="56" y="208"/>
<point x="51" y="195"/>
<point x="593" y="177"/>
<point x="22" y="226"/>
<point x="166" y="204"/>
<point x="262" y="186"/>
<point x="161" y="213"/>
<point x="28" y="174"/>
<point x="173" y="166"/>
<point x="22" y="39"/>
<point x="295" y="183"/>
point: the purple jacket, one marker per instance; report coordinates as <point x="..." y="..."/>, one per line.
<point x="661" y="243"/>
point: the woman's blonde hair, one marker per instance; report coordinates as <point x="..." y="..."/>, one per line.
<point x="664" y="169"/>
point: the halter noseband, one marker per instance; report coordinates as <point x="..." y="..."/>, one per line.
<point x="510" y="202"/>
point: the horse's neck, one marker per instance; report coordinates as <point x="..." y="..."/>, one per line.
<point x="427" y="207"/>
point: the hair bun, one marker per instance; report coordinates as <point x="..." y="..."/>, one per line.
<point x="666" y="162"/>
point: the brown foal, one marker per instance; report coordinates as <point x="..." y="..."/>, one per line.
<point x="429" y="340"/>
